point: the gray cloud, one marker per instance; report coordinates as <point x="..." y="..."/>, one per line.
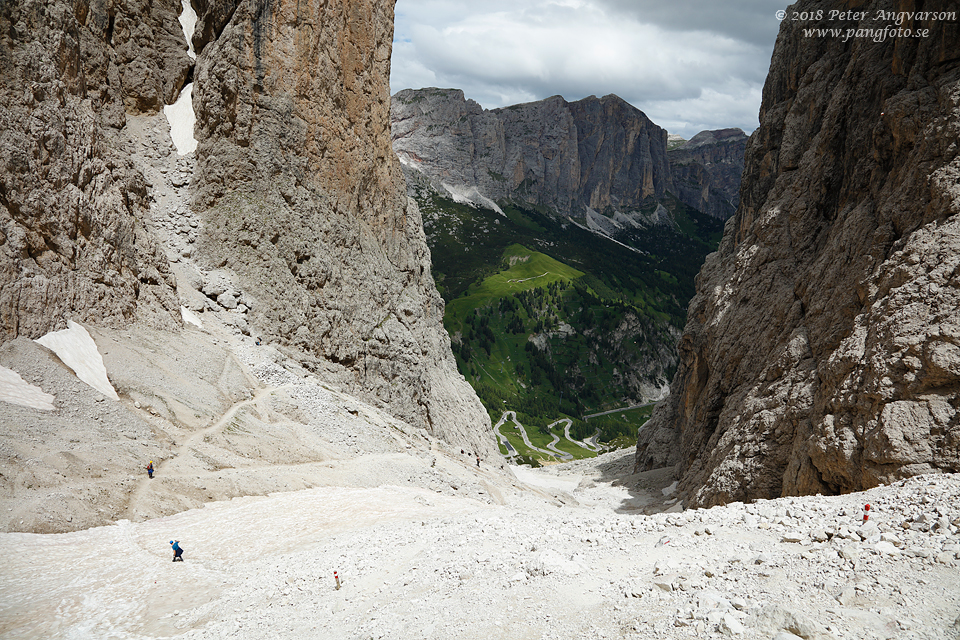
<point x="752" y="21"/>
<point x="689" y="66"/>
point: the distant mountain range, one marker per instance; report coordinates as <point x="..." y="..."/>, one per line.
<point x="565" y="238"/>
<point x="599" y="161"/>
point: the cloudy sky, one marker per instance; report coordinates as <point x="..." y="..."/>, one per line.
<point x="689" y="65"/>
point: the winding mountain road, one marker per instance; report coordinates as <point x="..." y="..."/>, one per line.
<point x="566" y="434"/>
<point x="523" y="432"/>
<point x="553" y="452"/>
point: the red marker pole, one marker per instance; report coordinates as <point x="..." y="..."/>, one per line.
<point x="866" y="512"/>
<point x="337" y="578"/>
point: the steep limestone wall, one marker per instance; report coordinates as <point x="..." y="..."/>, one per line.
<point x="822" y="350"/>
<point x="72" y="238"/>
<point x="600" y="153"/>
<point x="706" y="171"/>
<point x="302" y="196"/>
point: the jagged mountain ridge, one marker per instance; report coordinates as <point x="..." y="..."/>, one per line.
<point x="597" y="160"/>
<point x="822" y="350"/>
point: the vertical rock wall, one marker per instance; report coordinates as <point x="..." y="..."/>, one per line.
<point x="707" y="169"/>
<point x="822" y="350"/>
<point x="303" y="197"/>
<point x="72" y="238"/>
<point x="600" y="153"/>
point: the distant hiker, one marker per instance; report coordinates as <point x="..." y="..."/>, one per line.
<point x="150" y="469"/>
<point x="258" y="342"/>
<point x="177" y="551"/>
<point x="478" y="461"/>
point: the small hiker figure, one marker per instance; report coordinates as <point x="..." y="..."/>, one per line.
<point x="150" y="469"/>
<point x="478" y="461"/>
<point x="177" y="551"/>
<point x="258" y="342"/>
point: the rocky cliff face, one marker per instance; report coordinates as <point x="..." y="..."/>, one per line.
<point x="706" y="171"/>
<point x="296" y="190"/>
<point x="600" y="154"/>
<point x="73" y="243"/>
<point x="822" y="350"/>
<point x="302" y="196"/>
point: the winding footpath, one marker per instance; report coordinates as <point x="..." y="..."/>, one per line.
<point x="170" y="465"/>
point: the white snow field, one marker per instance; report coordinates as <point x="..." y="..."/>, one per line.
<point x="180" y="115"/>
<point x="188" y="20"/>
<point x="16" y="390"/>
<point x="536" y="479"/>
<point x="182" y="119"/>
<point x="190" y="317"/>
<point x="77" y="350"/>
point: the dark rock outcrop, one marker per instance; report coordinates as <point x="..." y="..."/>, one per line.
<point x="73" y="243"/>
<point x="706" y="171"/>
<point x="822" y="350"/>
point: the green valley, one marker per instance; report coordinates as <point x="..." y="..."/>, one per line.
<point x="550" y="320"/>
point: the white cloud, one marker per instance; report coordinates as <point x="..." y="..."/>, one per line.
<point x="709" y="73"/>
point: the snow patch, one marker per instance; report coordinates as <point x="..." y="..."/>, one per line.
<point x="16" y="390"/>
<point x="77" y="350"/>
<point x="188" y="20"/>
<point x="470" y="195"/>
<point x="190" y="317"/>
<point x="182" y="119"/>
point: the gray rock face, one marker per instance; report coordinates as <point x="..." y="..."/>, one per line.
<point x="706" y="171"/>
<point x="73" y="243"/>
<point x="577" y="158"/>
<point x="597" y="153"/>
<point x="822" y="350"/>
<point x="302" y="196"/>
<point x="297" y="188"/>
